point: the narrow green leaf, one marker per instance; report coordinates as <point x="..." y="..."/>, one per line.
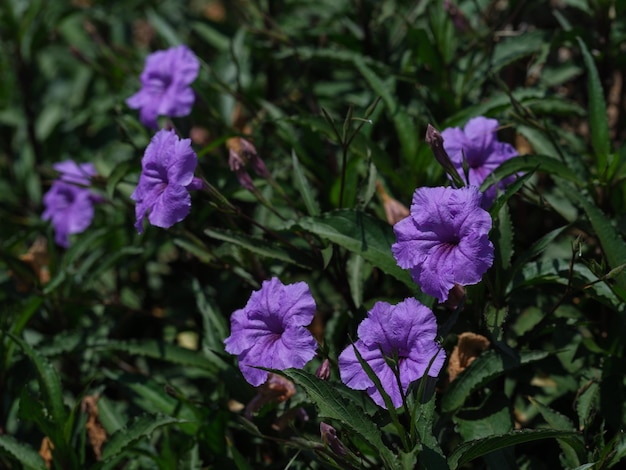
<point x="573" y="449"/>
<point x="468" y="451"/>
<point x="486" y="367"/>
<point x="28" y="457"/>
<point x="612" y="243"/>
<point x="362" y="234"/>
<point x="404" y="126"/>
<point x="537" y="248"/>
<point x="214" y="325"/>
<point x="598" y="119"/>
<point x="49" y="381"/>
<point x="140" y="428"/>
<point x="358" y="271"/>
<point x="260" y="247"/>
<point x="586" y="402"/>
<point x="205" y="360"/>
<point x="302" y="184"/>
<point x="540" y="163"/>
<point x="431" y="456"/>
<point x="332" y="405"/>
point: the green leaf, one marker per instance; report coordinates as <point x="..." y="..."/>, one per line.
<point x="404" y="126"/>
<point x="598" y="119"/>
<point x="141" y="427"/>
<point x="486" y="367"/>
<point x="512" y="49"/>
<point x="206" y="360"/>
<point x="431" y="456"/>
<point x="468" y="451"/>
<point x="531" y="162"/>
<point x="358" y="271"/>
<point x="573" y="449"/>
<point x="362" y="234"/>
<point x="537" y="248"/>
<point x="215" y="327"/>
<point x="586" y="401"/>
<point x="332" y="405"/>
<point x="612" y="243"/>
<point x="49" y="381"/>
<point x="302" y="185"/>
<point x="260" y="247"/>
<point x="28" y="457"/>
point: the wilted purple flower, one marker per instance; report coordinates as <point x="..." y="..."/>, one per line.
<point x="165" y="85"/>
<point x="445" y="239"/>
<point x="484" y="153"/>
<point x="270" y="331"/>
<point x="404" y="333"/>
<point x="69" y="203"/>
<point x="166" y="178"/>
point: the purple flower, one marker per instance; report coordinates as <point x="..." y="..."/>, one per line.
<point x="166" y="178"/>
<point x="165" y="85"/>
<point x="445" y="239"/>
<point x="270" y="331"/>
<point x="68" y="203"/>
<point x="483" y="152"/>
<point x="403" y="333"/>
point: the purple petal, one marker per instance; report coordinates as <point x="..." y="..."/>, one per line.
<point x="172" y="206"/>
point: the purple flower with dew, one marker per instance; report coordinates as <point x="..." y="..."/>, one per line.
<point x="484" y="153"/>
<point x="270" y="331"/>
<point x="166" y="178"/>
<point x="445" y="239"/>
<point x="69" y="203"/>
<point x="165" y="85"/>
<point x="405" y="334"/>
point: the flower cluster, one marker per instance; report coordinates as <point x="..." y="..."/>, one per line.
<point x="445" y="239"/>
<point x="166" y="178"/>
<point x="270" y="331"/>
<point x="403" y="334"/>
<point x="69" y="203"/>
<point x="478" y="144"/>
<point x="165" y="85"/>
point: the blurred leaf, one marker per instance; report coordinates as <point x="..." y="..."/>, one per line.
<point x="140" y="428"/>
<point x="332" y="405"/>
<point x="28" y="457"/>
<point x="598" y="119"/>
<point x="482" y="370"/>
<point x="302" y="185"/>
<point x="260" y="247"/>
<point x="362" y="234"/>
<point x="468" y="451"/>
<point x="514" y="48"/>
<point x="49" y="381"/>
<point x="358" y="271"/>
<point x="205" y="360"/>
<point x="214" y="325"/>
<point x="405" y="128"/>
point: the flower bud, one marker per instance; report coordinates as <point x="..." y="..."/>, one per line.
<point x="435" y="141"/>
<point x="329" y="437"/>
<point x="323" y="371"/>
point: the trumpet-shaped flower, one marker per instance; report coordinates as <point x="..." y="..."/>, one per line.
<point x="69" y="203"/>
<point x="270" y="331"/>
<point x="166" y="178"/>
<point x="402" y="334"/>
<point x="445" y="239"/>
<point x="479" y="144"/>
<point x="165" y="85"/>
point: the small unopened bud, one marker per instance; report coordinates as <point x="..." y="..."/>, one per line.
<point x="329" y="437"/>
<point x="196" y="184"/>
<point x="395" y="211"/>
<point x="249" y="151"/>
<point x="458" y="18"/>
<point x="323" y="371"/>
<point x="237" y="166"/>
<point x="435" y="141"/>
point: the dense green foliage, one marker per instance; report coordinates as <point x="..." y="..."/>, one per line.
<point x="120" y="337"/>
